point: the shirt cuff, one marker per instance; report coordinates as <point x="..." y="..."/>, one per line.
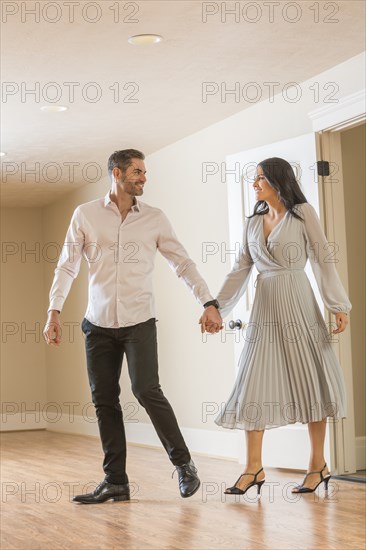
<point x="205" y="298"/>
<point x="57" y="304"/>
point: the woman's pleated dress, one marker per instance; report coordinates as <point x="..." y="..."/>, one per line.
<point x="288" y="371"/>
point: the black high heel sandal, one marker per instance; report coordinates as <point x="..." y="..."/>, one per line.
<point x="236" y="491"/>
<point x="302" y="489"/>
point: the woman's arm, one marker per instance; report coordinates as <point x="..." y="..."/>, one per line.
<point x="236" y="281"/>
<point x="323" y="263"/>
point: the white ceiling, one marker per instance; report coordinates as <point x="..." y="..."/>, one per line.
<point x="169" y="77"/>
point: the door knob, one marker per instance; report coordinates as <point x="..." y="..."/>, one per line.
<point x="235" y="324"/>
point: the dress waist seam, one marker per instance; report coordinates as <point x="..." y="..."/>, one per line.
<point x="275" y="272"/>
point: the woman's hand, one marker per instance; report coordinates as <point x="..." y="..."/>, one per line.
<point x="341" y="322"/>
<point x="210" y="320"/>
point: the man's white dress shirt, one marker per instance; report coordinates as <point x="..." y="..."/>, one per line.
<point x="120" y="257"/>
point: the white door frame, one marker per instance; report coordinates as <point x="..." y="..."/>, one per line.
<point x="327" y="123"/>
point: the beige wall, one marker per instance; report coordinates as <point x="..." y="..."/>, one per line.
<point x="66" y="365"/>
<point x="353" y="160"/>
<point x="192" y="372"/>
<point x="23" y="374"/>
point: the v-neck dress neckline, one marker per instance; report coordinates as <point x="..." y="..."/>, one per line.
<point x="275" y="227"/>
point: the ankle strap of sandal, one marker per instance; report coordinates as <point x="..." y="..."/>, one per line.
<point x="255" y="475"/>
<point x="321" y="472"/>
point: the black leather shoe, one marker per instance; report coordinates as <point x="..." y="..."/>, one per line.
<point x="188" y="479"/>
<point x="105" y="491"/>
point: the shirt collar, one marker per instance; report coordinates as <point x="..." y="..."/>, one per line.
<point x="135" y="207"/>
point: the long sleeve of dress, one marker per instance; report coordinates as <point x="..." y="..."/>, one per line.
<point x="236" y="281"/>
<point x="320" y="253"/>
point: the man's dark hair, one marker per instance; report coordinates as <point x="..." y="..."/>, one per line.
<point x="123" y="159"/>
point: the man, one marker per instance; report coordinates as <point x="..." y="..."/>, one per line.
<point x="119" y="236"/>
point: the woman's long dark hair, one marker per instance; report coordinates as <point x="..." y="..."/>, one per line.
<point x="280" y="175"/>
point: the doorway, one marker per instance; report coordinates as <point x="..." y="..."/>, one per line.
<point x="334" y="202"/>
<point x="342" y="194"/>
<point x="353" y="146"/>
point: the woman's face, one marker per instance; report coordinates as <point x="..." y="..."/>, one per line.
<point x="263" y="190"/>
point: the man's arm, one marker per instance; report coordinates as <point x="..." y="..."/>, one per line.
<point x="176" y="255"/>
<point x="67" y="270"/>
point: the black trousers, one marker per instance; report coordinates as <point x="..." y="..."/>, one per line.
<point x="105" y="349"/>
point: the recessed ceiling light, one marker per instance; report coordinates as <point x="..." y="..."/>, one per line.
<point x="144" y="39"/>
<point x="53" y="108"/>
<point x="2" y="154"/>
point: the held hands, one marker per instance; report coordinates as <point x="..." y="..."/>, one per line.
<point x="52" y="329"/>
<point x="341" y="322"/>
<point x="210" y="320"/>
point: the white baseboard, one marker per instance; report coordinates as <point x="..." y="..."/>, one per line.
<point x="209" y="442"/>
<point x="74" y="424"/>
<point x="361" y="453"/>
<point x="286" y="447"/>
<point x="289" y="447"/>
<point x="27" y="420"/>
<point x="214" y="443"/>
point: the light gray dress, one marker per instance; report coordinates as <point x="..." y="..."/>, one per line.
<point x="288" y="371"/>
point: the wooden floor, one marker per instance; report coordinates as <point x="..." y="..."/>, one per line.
<point x="42" y="470"/>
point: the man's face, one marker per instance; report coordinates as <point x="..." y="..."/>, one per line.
<point x="132" y="181"/>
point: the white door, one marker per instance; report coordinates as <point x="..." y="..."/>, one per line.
<point x="288" y="446"/>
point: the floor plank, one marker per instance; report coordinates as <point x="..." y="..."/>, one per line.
<point x="42" y="470"/>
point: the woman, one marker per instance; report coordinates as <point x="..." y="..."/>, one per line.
<point x="288" y="370"/>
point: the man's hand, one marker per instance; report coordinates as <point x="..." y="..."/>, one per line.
<point x="210" y="320"/>
<point x="52" y="329"/>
